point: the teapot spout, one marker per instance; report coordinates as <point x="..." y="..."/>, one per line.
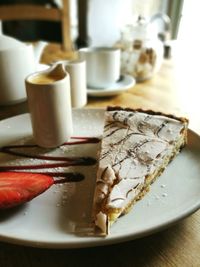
<point x="38" y="49"/>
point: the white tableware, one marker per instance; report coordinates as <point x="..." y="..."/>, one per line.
<point x="77" y="72"/>
<point x="123" y="84"/>
<point x="54" y="219"/>
<point x="17" y="60"/>
<point x="49" y="103"/>
<point x="102" y="65"/>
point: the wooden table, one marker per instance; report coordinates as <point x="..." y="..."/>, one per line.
<point x="175" y="90"/>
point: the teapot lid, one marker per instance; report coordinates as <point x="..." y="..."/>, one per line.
<point x="140" y="29"/>
<point x="143" y="27"/>
<point x="7" y="42"/>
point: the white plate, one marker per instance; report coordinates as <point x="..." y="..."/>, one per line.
<point x="125" y="83"/>
<point x="46" y="222"/>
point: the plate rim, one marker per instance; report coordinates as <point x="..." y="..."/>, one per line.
<point x="99" y="241"/>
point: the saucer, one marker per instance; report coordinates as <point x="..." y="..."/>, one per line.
<point x="123" y="84"/>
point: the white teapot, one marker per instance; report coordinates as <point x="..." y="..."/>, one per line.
<point x="17" y="60"/>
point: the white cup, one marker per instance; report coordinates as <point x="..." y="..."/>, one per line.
<point x="49" y="101"/>
<point x="102" y="65"/>
<point x="77" y="72"/>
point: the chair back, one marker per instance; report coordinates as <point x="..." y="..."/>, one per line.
<point x="42" y="13"/>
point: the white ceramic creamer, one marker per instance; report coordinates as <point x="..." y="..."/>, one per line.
<point x="49" y="101"/>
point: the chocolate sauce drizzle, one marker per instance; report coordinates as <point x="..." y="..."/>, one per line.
<point x="60" y="161"/>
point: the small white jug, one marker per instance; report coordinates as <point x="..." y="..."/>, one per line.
<point x="49" y="103"/>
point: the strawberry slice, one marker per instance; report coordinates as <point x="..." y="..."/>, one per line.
<point x="19" y="187"/>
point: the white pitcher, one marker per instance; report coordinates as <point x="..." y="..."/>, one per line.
<point x="17" y="60"/>
<point x="49" y="101"/>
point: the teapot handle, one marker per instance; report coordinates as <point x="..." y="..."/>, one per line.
<point x="167" y="23"/>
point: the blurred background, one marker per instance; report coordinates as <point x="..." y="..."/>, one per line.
<point x="99" y="22"/>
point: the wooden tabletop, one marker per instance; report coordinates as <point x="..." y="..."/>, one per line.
<point x="174" y="89"/>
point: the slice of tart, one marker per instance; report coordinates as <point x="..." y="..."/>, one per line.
<point x="136" y="147"/>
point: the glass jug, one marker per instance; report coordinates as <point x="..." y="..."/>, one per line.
<point x="142" y="48"/>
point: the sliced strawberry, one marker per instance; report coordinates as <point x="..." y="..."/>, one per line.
<point x="19" y="187"/>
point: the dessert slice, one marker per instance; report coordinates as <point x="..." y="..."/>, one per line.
<point x="136" y="147"/>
